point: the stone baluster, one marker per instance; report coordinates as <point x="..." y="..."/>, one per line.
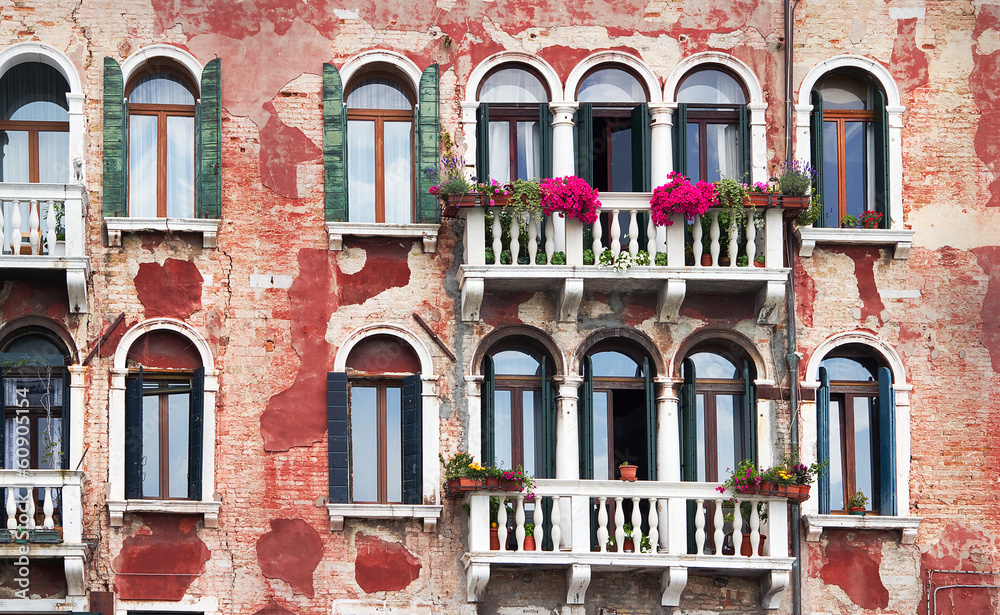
<point x="556" y="518"/>
<point x="47" y="509"/>
<point x="754" y="528"/>
<point x="550" y="238"/>
<point x="30" y="508"/>
<point x="50" y="225"/>
<point x="696" y="235"/>
<point x="751" y="238"/>
<point x="654" y="530"/>
<point x="538" y="520"/>
<point x="616" y="234"/>
<point x="515" y="238"/>
<point x="602" y="523"/>
<point x="637" y="524"/>
<point x="11" y="508"/>
<point x="619" y="524"/>
<point x="532" y="240"/>
<point x="713" y="233"/>
<point x="15" y="229"/>
<point x="737" y="528"/>
<point x="34" y="228"/>
<point x="597" y="232"/>
<point x="497" y="234"/>
<point x="733" y="247"/>
<point x="633" y="233"/>
<point x="651" y="240"/>
<point x="699" y="526"/>
<point x="519" y="522"/>
<point x="719" y="521"/>
<point x="502" y="523"/>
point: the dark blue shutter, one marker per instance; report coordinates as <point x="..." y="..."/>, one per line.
<point x="642" y="137"/>
<point x="823" y="438"/>
<point x="881" y="126"/>
<point x="338" y="424"/>
<point x="413" y="474"/>
<point x="545" y="138"/>
<point x="487" y="398"/>
<point x="334" y="145"/>
<point x="816" y="144"/>
<point x="208" y="143"/>
<point x="428" y="149"/>
<point x="548" y="466"/>
<point x="66" y="418"/>
<point x="887" y="442"/>
<point x="749" y="415"/>
<point x="743" y="144"/>
<point x="585" y="418"/>
<point x="680" y="138"/>
<point x="651" y="426"/>
<point x="689" y="423"/>
<point x="584" y="122"/>
<point x="114" y="133"/>
<point x="133" y="437"/>
<point x="483" y="143"/>
<point x="196" y="433"/>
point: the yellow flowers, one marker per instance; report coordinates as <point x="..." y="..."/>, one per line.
<point x="784" y="474"/>
<point x="475" y="466"/>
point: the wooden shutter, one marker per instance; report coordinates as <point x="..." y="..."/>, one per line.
<point x="823" y="438"/>
<point x="887" y="442"/>
<point x="196" y="434"/>
<point x="689" y="423"/>
<point x="428" y="147"/>
<point x="881" y="126"/>
<point x="487" y="398"/>
<point x="584" y="125"/>
<point x="545" y="138"/>
<point x="65" y="421"/>
<point x="413" y="474"/>
<point x="749" y="415"/>
<point x="208" y="143"/>
<point x="743" y="144"/>
<point x="585" y="419"/>
<point x="115" y="136"/>
<point x="816" y="144"/>
<point x="338" y="424"/>
<point x="334" y="145"/>
<point x="680" y="138"/>
<point x="642" y="137"/>
<point x="651" y="425"/>
<point x="133" y="437"/>
<point x="483" y="143"/>
<point x="548" y="466"/>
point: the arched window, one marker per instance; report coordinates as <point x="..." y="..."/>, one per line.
<point x="34" y="124"/>
<point x="711" y="127"/>
<point x="518" y="423"/>
<point x="380" y="150"/>
<point x="513" y="126"/>
<point x="717" y="416"/>
<point x="613" y="130"/>
<point x="856" y="428"/>
<point x="849" y="128"/>
<point x="161" y="117"/>
<point x="617" y="416"/>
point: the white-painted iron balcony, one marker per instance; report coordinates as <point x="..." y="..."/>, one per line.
<point x="32" y="217"/>
<point x="679" y="541"/>
<point x="683" y="252"/>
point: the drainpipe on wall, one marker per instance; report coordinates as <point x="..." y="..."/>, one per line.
<point x="792" y="357"/>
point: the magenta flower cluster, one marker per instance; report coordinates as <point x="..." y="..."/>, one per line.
<point x="570" y="196"/>
<point x="679" y="196"/>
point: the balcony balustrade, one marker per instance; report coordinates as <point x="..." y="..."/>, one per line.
<point x="29" y="220"/>
<point x="683" y="526"/>
<point x="624" y="227"/>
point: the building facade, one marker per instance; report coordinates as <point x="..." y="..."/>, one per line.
<point x="239" y="333"/>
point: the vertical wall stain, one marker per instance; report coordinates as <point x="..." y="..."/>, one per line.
<point x="852" y="565"/>
<point x="864" y="270"/>
<point x="989" y="259"/>
<point x="984" y="81"/>
<point x="909" y="64"/>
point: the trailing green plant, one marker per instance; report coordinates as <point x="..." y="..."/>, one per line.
<point x="622" y="261"/>
<point x="540" y="258"/>
<point x="627" y="530"/>
<point x="505" y="258"/>
<point x="491" y="258"/>
<point x="812" y="213"/>
<point x="525" y="198"/>
<point x="759" y="259"/>
<point x="60" y="210"/>
<point x="742" y="261"/>
<point x="644" y="545"/>
<point x="732" y="196"/>
<point x="588" y="257"/>
<point x="641" y="258"/>
<point x="558" y="258"/>
<point x="660" y="259"/>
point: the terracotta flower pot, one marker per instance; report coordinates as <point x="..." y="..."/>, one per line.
<point x="857" y="510"/>
<point x="628" y="472"/>
<point x="706" y="260"/>
<point x="746" y="549"/>
<point x="529" y="543"/>
<point x="628" y="546"/>
<point x="494" y="539"/>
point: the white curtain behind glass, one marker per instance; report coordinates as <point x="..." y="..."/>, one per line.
<point x="142" y="166"/>
<point x="513" y="85"/>
<point x="361" y="171"/>
<point x="499" y="152"/>
<point x="529" y="163"/>
<point x="180" y="167"/>
<point x="398" y="193"/>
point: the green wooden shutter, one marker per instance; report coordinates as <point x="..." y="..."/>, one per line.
<point x="487" y="399"/>
<point x="816" y="136"/>
<point x="642" y="137"/>
<point x="886" y="442"/>
<point x="196" y="433"/>
<point x="743" y="144"/>
<point x="547" y="469"/>
<point x="680" y="138"/>
<point x="585" y="420"/>
<point x="881" y="126"/>
<point x="483" y="143"/>
<point x="338" y="425"/>
<point x="545" y="138"/>
<point x="334" y="145"/>
<point x="66" y="418"/>
<point x="428" y="128"/>
<point x="413" y="440"/>
<point x="749" y="415"/>
<point x="115" y="138"/>
<point x="133" y="437"/>
<point x="208" y="143"/>
<point x="651" y="426"/>
<point x="823" y="438"/>
<point x="584" y="129"/>
<point x="689" y="423"/>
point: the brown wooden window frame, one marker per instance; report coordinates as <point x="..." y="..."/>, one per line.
<point x="845" y="393"/>
<point x="511" y="114"/>
<point x="381" y="385"/>
<point x="841" y="117"/>
<point x="33" y="128"/>
<point x="517" y="386"/>
<point x="703" y="116"/>
<point x="163" y="435"/>
<point x="380" y="117"/>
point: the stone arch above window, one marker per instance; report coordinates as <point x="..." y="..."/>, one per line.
<point x="518" y="336"/>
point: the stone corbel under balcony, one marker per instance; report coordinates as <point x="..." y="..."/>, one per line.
<point x="210" y="510"/>
<point x="899" y="239"/>
<point x="907" y="526"/>
<point x="427" y="233"/>
<point x="208" y="229"/>
<point x="77" y="270"/>
<point x="427" y="513"/>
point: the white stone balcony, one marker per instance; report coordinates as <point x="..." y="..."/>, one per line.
<point x="29" y="219"/>
<point x="43" y="516"/>
<point x="682" y="272"/>
<point x="679" y="541"/>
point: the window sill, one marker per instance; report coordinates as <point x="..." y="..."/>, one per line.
<point x="815" y="524"/>
<point x="210" y="510"/>
<point x="899" y="239"/>
<point x="428" y="233"/>
<point x="208" y="229"/>
<point x="429" y="513"/>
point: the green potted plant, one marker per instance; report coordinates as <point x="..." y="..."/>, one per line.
<point x="732" y="197"/>
<point x="529" y="536"/>
<point x="745" y="479"/>
<point x="628" y="544"/>
<point x="850" y="221"/>
<point x="588" y="257"/>
<point x="558" y="258"/>
<point x="870" y="219"/>
<point x="857" y="503"/>
<point x="644" y="545"/>
<point x="759" y="261"/>
<point x="627" y="471"/>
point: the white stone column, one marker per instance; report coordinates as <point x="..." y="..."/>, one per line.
<point x="77" y="407"/>
<point x="758" y="144"/>
<point x="77" y="132"/>
<point x="469" y="109"/>
<point x="662" y="153"/>
<point x="563" y="157"/>
<point x="668" y="437"/>
<point x="474" y="402"/>
<point x="116" y="435"/>
<point x="432" y="438"/>
<point x="567" y="427"/>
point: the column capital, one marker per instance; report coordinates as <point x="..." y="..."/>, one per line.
<point x="562" y="113"/>
<point x="573" y="380"/>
